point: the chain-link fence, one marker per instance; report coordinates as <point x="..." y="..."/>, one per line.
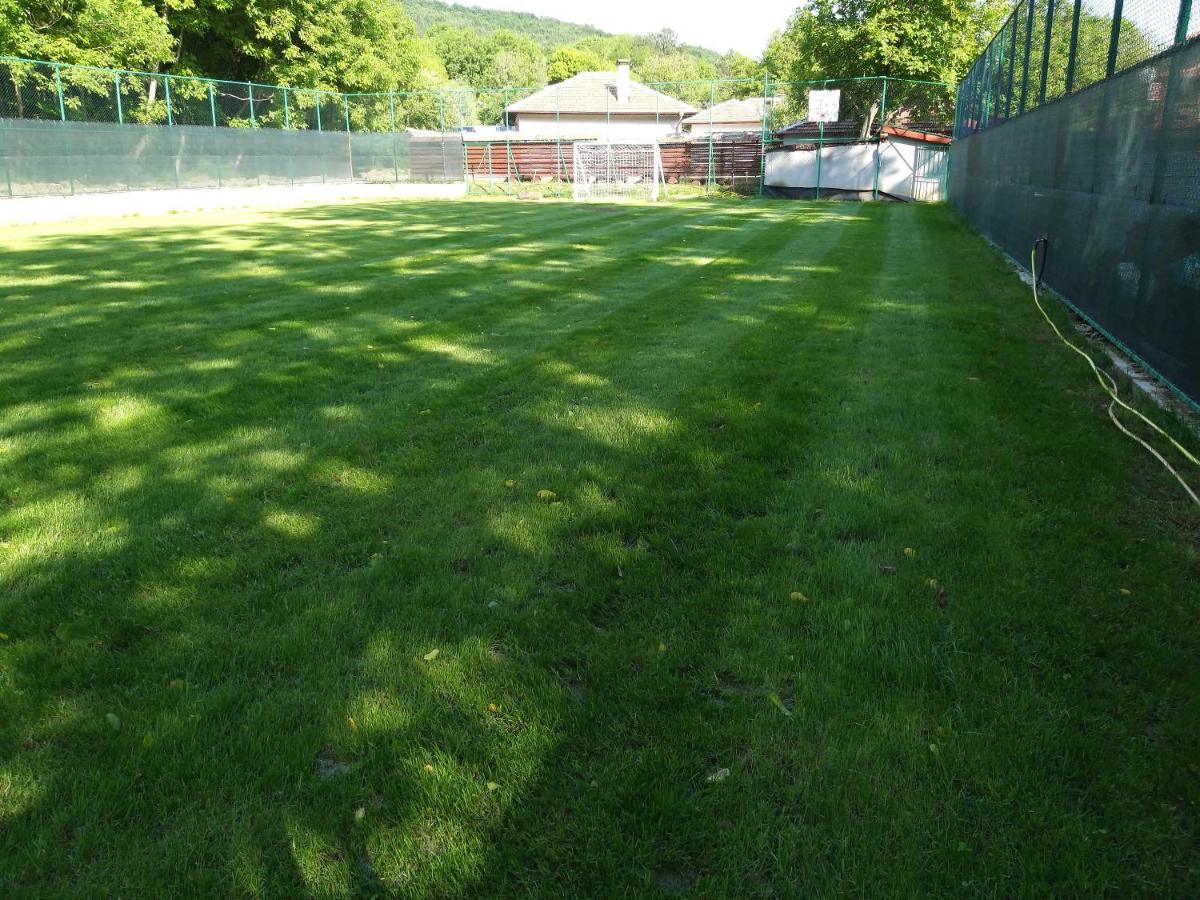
<point x="745" y="135"/>
<point x="1049" y="49"/>
<point x="74" y="129"/>
<point x="1081" y="123"/>
<point x="889" y="140"/>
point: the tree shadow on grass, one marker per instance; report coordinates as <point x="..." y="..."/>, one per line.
<point x="249" y="499"/>
<point x="219" y="512"/>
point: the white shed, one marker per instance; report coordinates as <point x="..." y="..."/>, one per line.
<point x="904" y="164"/>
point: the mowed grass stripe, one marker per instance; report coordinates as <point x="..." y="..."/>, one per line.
<point x="742" y="414"/>
<point x="231" y="297"/>
<point x="183" y="390"/>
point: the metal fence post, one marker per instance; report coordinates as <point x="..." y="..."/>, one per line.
<point x="985" y="98"/>
<point x="171" y="122"/>
<point x="507" y="144"/>
<point x="1115" y="38"/>
<point x="1012" y="65"/>
<point x="762" y="138"/>
<point x="250" y="95"/>
<point x="117" y="91"/>
<point x="1001" y="79"/>
<point x="958" y="115"/>
<point x="462" y="121"/>
<point x="212" y="103"/>
<point x="1046" y="50"/>
<point x="997" y="85"/>
<point x="62" y="115"/>
<point x="392" y="121"/>
<point x="1181" y="29"/>
<point x="879" y="140"/>
<point x="712" y="99"/>
<point x="287" y="112"/>
<point x="820" y="143"/>
<point x="442" y="131"/>
<point x="349" y="138"/>
<point x="318" y="107"/>
<point x="1028" y="46"/>
<point x="62" y="107"/>
<point x="1070" y="86"/>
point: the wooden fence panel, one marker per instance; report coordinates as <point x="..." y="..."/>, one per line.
<point x="733" y="161"/>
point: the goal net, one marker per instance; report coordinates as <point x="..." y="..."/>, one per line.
<point x="604" y="170"/>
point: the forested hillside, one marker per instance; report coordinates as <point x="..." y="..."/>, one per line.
<point x="549" y="33"/>
<point x="376" y="45"/>
<point x="349" y="45"/>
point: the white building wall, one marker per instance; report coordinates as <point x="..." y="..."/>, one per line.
<point x="703" y="128"/>
<point x="600" y="127"/>
<point x="907" y="169"/>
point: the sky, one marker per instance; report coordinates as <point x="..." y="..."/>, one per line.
<point x="745" y="26"/>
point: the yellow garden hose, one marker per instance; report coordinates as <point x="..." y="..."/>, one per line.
<point x="1109" y="384"/>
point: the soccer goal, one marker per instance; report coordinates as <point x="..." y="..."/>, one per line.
<point x="605" y="171"/>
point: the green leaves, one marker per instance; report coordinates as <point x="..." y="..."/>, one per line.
<point x="933" y="41"/>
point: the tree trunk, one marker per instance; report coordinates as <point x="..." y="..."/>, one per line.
<point x="869" y="121"/>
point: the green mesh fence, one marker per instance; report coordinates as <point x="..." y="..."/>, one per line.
<point x="720" y="135"/>
<point x="889" y="140"/>
<point x="1080" y="123"/>
<point x="66" y="129"/>
<point x="75" y="129"/>
<point x="1048" y="49"/>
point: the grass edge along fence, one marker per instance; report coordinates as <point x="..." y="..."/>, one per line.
<point x="1097" y="151"/>
<point x="99" y="100"/>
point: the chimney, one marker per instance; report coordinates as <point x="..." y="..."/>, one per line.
<point x="623" y="81"/>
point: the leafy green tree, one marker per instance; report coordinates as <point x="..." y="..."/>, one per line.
<point x="736" y="65"/>
<point x="515" y="61"/>
<point x="566" y="62"/>
<point x="124" y="33"/>
<point x="463" y="52"/>
<point x="682" y="75"/>
<point x="934" y="40"/>
<point x="665" y="41"/>
<point x="353" y="45"/>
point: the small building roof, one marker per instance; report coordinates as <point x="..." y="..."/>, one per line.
<point x="849" y="129"/>
<point x="917" y="133"/>
<point x="596" y="93"/>
<point x="749" y="110"/>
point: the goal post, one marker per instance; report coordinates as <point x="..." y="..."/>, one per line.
<point x="605" y="171"/>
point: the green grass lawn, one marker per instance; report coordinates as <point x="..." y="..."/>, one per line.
<point x="488" y="548"/>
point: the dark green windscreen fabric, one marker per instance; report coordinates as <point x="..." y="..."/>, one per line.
<point x="40" y="158"/>
<point x="1111" y="175"/>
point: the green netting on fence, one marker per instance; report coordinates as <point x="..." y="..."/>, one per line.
<point x="1106" y="166"/>
<point x="1048" y="49"/>
<point x="718" y="134"/>
<point x="48" y="158"/>
<point x="726" y="135"/>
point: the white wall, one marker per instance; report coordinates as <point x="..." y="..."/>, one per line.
<point x="619" y="127"/>
<point x="703" y="128"/>
<point x="907" y="168"/>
